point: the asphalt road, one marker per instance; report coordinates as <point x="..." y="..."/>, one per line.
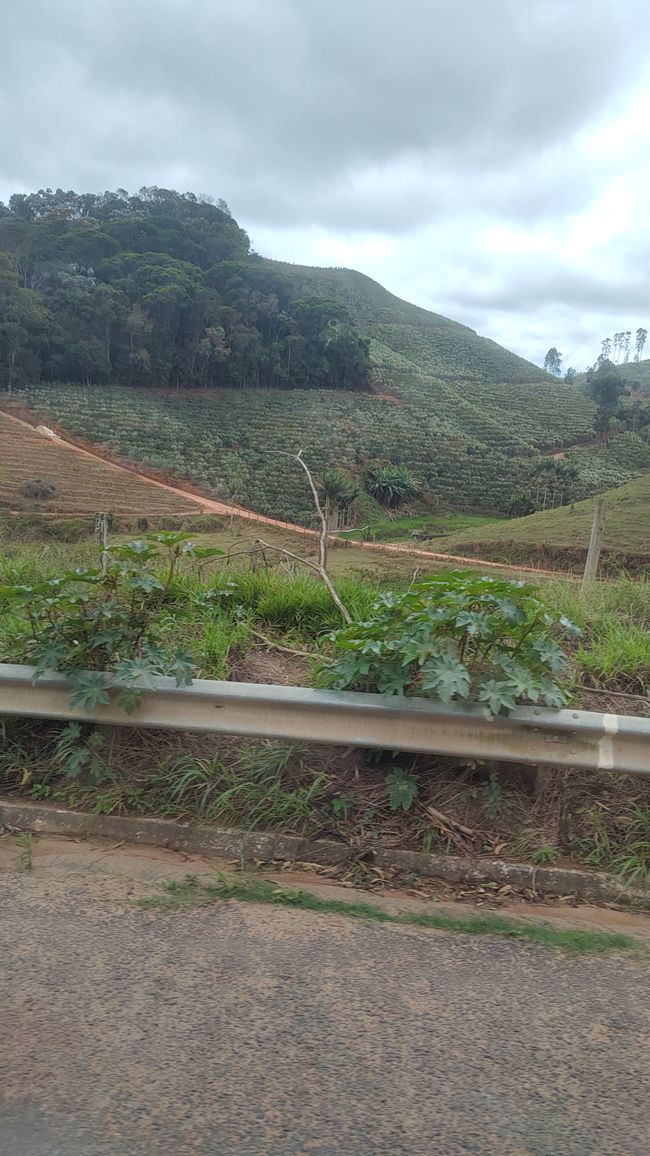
<point x="238" y="1029"/>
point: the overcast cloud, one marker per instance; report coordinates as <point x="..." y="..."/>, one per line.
<point x="488" y="159"/>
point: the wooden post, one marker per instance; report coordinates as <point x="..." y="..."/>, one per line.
<point x="595" y="544"/>
<point x="101" y="530"/>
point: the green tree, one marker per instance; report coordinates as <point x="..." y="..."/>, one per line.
<point x="337" y="491"/>
<point x="161" y="287"/>
<point x="553" y="362"/>
<point x="605" y="386"/>
<point x="25" y="329"/>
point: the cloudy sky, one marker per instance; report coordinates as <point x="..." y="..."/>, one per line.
<point x="488" y="159"/>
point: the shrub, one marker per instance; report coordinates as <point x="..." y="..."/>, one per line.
<point x="391" y="485"/>
<point x="39" y="489"/>
<point x="204" y="523"/>
<point x="91" y="625"/>
<point x="67" y="529"/>
<point x="457" y="636"/>
<point x="520" y="505"/>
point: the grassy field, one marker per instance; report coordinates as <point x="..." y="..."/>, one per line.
<point x="82" y="484"/>
<point x="562" y="536"/>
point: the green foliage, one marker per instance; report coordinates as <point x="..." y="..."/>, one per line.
<point x="605" y="386"/>
<point x="299" y="602"/>
<point x="617" y="839"/>
<point x="89" y="624"/>
<point x="617" y="656"/>
<point x="337" y="491"/>
<point x="553" y="362"/>
<point x="268" y="785"/>
<point x="458" y="411"/>
<point x="401" y="789"/>
<point x="390" y="485"/>
<point x="158" y="289"/>
<point x="520" y="505"/>
<point x="544" y="856"/>
<point x="560" y="537"/>
<point x="457" y="636"/>
<point x="492" y="795"/>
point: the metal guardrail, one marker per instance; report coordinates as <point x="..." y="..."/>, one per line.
<point x="583" y="740"/>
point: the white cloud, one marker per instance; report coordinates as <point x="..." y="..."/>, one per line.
<point x="488" y="161"/>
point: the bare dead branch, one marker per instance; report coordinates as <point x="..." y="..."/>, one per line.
<point x="322" y="541"/>
<point x="319" y="570"/>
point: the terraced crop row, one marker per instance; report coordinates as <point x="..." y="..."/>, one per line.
<point x="224" y="440"/>
<point x="82" y="484"/>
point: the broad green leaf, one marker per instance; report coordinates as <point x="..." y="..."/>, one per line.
<point x="392" y="678"/>
<point x="145" y="581"/>
<point x="524" y="683"/>
<point x="135" y="672"/>
<point x="497" y="695"/>
<point x="402" y="790"/>
<point x="447" y="677"/>
<point x="89" y="690"/>
<point x="182" y="668"/>
<point x="128" y="699"/>
<point x="50" y="656"/>
<point x="473" y="622"/>
<point x="76" y="761"/>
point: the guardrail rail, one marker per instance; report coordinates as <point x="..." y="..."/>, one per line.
<point x="582" y="740"/>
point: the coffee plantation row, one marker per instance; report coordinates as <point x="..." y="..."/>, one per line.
<point x="223" y="440"/>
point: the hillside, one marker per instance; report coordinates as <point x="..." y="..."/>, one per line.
<point x="411" y="335"/>
<point x="200" y="358"/>
<point x="561" y="536"/>
<point x="463" y="454"/>
<point x="82" y="484"/>
<point x="636" y="375"/>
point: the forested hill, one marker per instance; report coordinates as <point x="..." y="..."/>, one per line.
<point x="158" y="289"/>
<point x="162" y="289"/>
<point x="427" y="340"/>
<point x="232" y="353"/>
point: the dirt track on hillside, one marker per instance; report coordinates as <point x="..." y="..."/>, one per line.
<point x="210" y="505"/>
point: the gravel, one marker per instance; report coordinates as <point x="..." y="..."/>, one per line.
<point x="239" y="1029"/>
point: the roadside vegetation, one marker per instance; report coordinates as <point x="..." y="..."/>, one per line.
<point x="192" y="892"/>
<point x="167" y="604"/>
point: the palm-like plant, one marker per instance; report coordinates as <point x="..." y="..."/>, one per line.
<point x="338" y="491"/>
<point x="390" y="485"/>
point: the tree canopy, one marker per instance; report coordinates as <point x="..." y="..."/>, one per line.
<point x="605" y="386"/>
<point x="158" y="289"/>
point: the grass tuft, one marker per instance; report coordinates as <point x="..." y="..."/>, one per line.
<point x="192" y="892"/>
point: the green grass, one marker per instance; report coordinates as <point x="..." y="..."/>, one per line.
<point x="260" y="786"/>
<point x="566" y="530"/>
<point x="191" y="892"/>
<point x="432" y="524"/>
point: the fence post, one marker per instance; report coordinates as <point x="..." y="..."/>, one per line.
<point x="101" y="532"/>
<point x="595" y="544"/>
